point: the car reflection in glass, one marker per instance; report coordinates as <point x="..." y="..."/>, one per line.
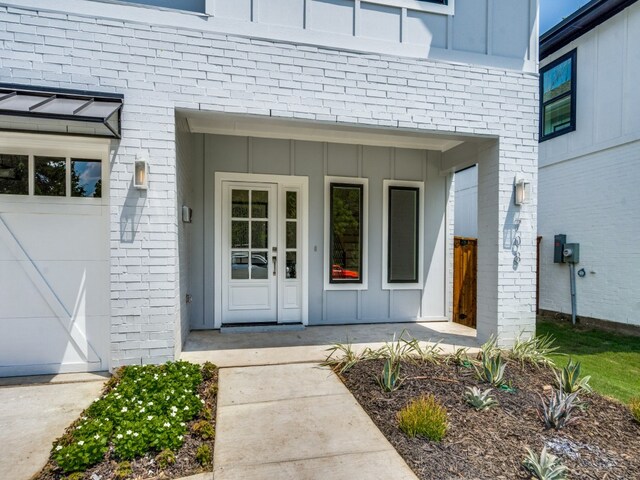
<point x="240" y="263"/>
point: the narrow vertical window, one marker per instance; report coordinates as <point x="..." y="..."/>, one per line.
<point x="558" y="97"/>
<point x="403" y="235"/>
<point x="346" y="214"/>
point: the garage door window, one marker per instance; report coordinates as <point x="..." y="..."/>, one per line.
<point x="86" y="178"/>
<point x="50" y="176"/>
<point x="14" y="174"/>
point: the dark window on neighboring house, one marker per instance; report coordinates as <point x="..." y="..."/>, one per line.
<point x="558" y="97"/>
<point x="345" y="223"/>
<point x="404" y="225"/>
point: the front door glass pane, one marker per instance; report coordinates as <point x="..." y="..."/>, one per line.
<point x="240" y="203"/>
<point x="259" y="234"/>
<point x="260" y="265"/>
<point x="292" y="205"/>
<point x="240" y="265"/>
<point x="239" y="234"/>
<point x="259" y="204"/>
<point x="292" y="265"/>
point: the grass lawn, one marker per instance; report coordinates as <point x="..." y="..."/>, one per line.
<point x="612" y="360"/>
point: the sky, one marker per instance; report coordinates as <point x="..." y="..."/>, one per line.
<point x="553" y="12"/>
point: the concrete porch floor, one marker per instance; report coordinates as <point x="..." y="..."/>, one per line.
<point x="311" y="343"/>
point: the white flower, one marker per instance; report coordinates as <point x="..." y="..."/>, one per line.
<point x="202" y="400"/>
<point x="96" y="436"/>
<point x="142" y="410"/>
<point x="119" y="436"/>
<point x="167" y="424"/>
<point x="150" y="404"/>
<point x="58" y="448"/>
<point x="186" y="407"/>
<point x="106" y="419"/>
<point x="150" y="417"/>
<point x="129" y="432"/>
<point x="135" y="434"/>
<point x="124" y="409"/>
<point x="182" y="424"/>
<point x="78" y="427"/>
<point x="174" y="408"/>
<point x="180" y="437"/>
<point x="81" y="442"/>
<point x="139" y="402"/>
<point x="173" y="414"/>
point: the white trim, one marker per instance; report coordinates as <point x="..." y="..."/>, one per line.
<point x="284" y="181"/>
<point x="365" y="233"/>
<point x="419" y="285"/>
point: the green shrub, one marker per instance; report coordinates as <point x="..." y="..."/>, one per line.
<point x="206" y="413"/>
<point x="557" y="411"/>
<point x="634" y="406"/>
<point x="534" y="350"/>
<point x="492" y="369"/>
<point x="389" y="380"/>
<point x="204" y="456"/>
<point x="208" y="370"/>
<point x="123" y="470"/>
<point x="478" y="399"/>
<point x="569" y="379"/>
<point x="75" y="476"/>
<point x="165" y="458"/>
<point x="424" y="416"/>
<point x="147" y="409"/>
<point x="545" y="467"/>
<point x="204" y="430"/>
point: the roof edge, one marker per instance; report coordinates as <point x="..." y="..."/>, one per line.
<point x="580" y="22"/>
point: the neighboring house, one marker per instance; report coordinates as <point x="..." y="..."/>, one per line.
<point x="248" y="162"/>
<point x="589" y="165"/>
<point x="590" y="160"/>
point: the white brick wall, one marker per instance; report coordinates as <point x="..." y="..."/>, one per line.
<point x="594" y="200"/>
<point x="160" y="69"/>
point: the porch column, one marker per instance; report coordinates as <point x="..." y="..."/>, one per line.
<point x="144" y="236"/>
<point x="506" y="241"/>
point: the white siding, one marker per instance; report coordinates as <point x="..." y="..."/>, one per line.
<point x="588" y="178"/>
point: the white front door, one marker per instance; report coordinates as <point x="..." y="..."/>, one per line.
<point x="250" y="253"/>
<point x="261" y="237"/>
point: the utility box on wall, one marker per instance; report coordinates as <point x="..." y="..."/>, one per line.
<point x="558" y="246"/>
<point x="571" y="252"/>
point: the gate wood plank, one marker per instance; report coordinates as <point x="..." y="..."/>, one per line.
<point x="465" y="272"/>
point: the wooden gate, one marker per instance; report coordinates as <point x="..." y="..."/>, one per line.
<point x="465" y="275"/>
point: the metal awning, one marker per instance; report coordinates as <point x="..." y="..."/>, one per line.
<point x="72" y="112"/>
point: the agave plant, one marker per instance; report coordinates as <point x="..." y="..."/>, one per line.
<point x="569" y="379"/>
<point x="390" y="380"/>
<point x="429" y="353"/>
<point x="491" y="369"/>
<point x="478" y="399"/>
<point x="546" y="466"/>
<point x="490" y="348"/>
<point x="342" y="357"/>
<point x="534" y="350"/>
<point x="557" y="412"/>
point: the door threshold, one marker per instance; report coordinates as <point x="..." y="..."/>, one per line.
<point x="262" y="328"/>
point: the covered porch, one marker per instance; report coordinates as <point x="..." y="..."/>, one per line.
<point x="310" y="344"/>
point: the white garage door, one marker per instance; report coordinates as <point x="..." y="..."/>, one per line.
<point x="54" y="254"/>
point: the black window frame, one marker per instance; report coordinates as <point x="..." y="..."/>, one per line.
<point x="417" y="239"/>
<point x="360" y="187"/>
<point x="573" y="55"/>
<point x="439" y="2"/>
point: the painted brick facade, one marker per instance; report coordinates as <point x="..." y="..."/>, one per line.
<point x="160" y="69"/>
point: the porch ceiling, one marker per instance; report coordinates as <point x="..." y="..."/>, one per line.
<point x="269" y="127"/>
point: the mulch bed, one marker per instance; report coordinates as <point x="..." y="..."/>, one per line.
<point x="603" y="444"/>
<point x="146" y="467"/>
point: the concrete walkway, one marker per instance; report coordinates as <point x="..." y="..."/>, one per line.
<point x="33" y="416"/>
<point x="297" y="422"/>
<point x="311" y="343"/>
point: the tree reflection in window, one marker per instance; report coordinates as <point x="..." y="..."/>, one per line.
<point x="346" y="233"/>
<point x="50" y="176"/>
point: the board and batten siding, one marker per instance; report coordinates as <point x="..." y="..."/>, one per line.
<point x="316" y="160"/>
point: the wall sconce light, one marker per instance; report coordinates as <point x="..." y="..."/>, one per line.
<point x="141" y="173"/>
<point x="187" y="214"/>
<point x="523" y="192"/>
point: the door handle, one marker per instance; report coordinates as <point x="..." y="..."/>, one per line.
<point x="274" y="259"/>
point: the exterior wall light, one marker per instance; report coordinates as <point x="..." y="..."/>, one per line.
<point x="141" y="173"/>
<point x="523" y="192"/>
